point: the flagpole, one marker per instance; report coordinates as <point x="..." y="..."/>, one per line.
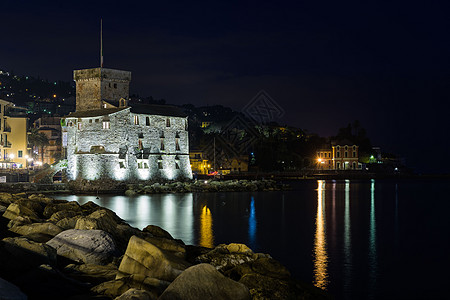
<point x="101" y="43"/>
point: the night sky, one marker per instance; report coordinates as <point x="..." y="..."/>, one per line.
<point x="326" y="63"/>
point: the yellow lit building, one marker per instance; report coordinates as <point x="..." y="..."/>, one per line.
<point x="198" y="163"/>
<point x="13" y="136"/>
<point x="345" y="157"/>
<point x="325" y="159"/>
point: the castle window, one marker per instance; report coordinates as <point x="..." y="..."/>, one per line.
<point x="147" y="121"/>
<point x="177" y="145"/>
<point x="185" y="125"/>
<point x="140" y="165"/>
<point x="79" y="125"/>
<point x="160" y="165"/>
<point x="104" y="105"/>
<point x="90" y="120"/>
<point x="115" y="85"/>
<point x="162" y="145"/>
<point x="106" y="125"/>
<point x="140" y="144"/>
<point x="97" y="120"/>
<point x="177" y="166"/>
<point x="145" y="165"/>
<point x="167" y="122"/>
<point x="122" y="165"/>
<point x="136" y="120"/>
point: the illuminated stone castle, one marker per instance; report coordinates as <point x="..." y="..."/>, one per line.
<point x="108" y="138"/>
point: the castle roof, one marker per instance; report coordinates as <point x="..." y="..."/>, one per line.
<point x="94" y="112"/>
<point x="154" y="109"/>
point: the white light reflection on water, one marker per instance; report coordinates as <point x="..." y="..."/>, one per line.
<point x="347" y="244"/>
<point x="372" y="243"/>
<point x="320" y="241"/>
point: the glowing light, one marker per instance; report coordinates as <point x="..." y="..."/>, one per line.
<point x="372" y="240"/>
<point x="319" y="160"/>
<point x="320" y="242"/>
<point x="206" y="233"/>
<point x="11" y="156"/>
<point x="347" y="241"/>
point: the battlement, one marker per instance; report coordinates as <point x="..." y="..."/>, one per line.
<point x="102" y="73"/>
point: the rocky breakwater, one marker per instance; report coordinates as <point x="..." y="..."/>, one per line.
<point x="55" y="249"/>
<point x="201" y="186"/>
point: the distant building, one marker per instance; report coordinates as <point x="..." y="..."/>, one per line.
<point x="346" y="157"/>
<point x="199" y="164"/>
<point x="13" y="136"/>
<point x="51" y="127"/>
<point x="108" y="138"/>
<point x="340" y="156"/>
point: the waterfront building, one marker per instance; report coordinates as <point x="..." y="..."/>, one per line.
<point x="107" y="137"/>
<point x="13" y="136"/>
<point x="199" y="163"/>
<point x="340" y="156"/>
<point x="51" y="127"/>
<point x="345" y="157"/>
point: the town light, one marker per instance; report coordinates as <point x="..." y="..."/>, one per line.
<point x="319" y="160"/>
<point x="11" y="156"/>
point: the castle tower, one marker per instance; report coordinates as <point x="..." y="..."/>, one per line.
<point x="96" y="86"/>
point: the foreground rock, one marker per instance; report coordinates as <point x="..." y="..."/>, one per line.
<point x="203" y="281"/>
<point x="9" y="291"/>
<point x="86" y="246"/>
<point x="142" y="257"/>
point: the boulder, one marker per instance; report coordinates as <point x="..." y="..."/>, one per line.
<point x="36" y="206"/>
<point x="52" y="208"/>
<point x="135" y="294"/>
<point x="62" y="214"/>
<point x="102" y="219"/>
<point x="19" y="221"/>
<point x="203" y="281"/>
<point x="37" y="228"/>
<point x="68" y="223"/>
<point x="19" y="254"/>
<point x="15" y="210"/>
<point x="142" y="257"/>
<point x="166" y="244"/>
<point x="157" y="231"/>
<point x="115" y="288"/>
<point x="6" y="198"/>
<point x="2" y="209"/>
<point x="91" y="273"/>
<point x="221" y="258"/>
<point x="9" y="291"/>
<point x="86" y="246"/>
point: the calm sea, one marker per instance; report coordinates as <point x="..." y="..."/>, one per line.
<point x="356" y="239"/>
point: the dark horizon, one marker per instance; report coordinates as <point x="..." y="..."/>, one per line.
<point x="326" y="64"/>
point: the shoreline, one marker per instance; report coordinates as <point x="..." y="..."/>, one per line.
<point x="50" y="247"/>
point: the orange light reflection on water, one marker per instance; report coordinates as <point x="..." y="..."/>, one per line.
<point x="320" y="241"/>
<point x="206" y="232"/>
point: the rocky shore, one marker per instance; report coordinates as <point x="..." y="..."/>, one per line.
<point x="55" y="249"/>
<point x="199" y="186"/>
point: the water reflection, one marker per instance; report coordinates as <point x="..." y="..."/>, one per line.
<point x="206" y="229"/>
<point x="372" y="242"/>
<point x="347" y="243"/>
<point x="320" y="241"/>
<point x="252" y="225"/>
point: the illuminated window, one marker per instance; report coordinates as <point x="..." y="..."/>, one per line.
<point x="104" y="105"/>
<point x="167" y="122"/>
<point x="106" y="125"/>
<point x="20" y="153"/>
<point x="136" y="120"/>
<point x="79" y="125"/>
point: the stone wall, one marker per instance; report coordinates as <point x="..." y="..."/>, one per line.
<point x="94" y="152"/>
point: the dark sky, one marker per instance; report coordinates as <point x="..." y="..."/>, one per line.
<point x="326" y="63"/>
